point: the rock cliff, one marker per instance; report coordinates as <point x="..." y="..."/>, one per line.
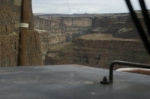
<point x="59" y="29"/>
<point x="10" y="12"/>
<point x="97" y="50"/>
<point x="55" y="30"/>
<point x="119" y="25"/>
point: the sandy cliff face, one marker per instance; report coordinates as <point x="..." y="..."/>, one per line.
<point x="97" y="50"/>
<point x="10" y="12"/>
<point x="55" y="30"/>
<point x="87" y="51"/>
<point x="119" y="25"/>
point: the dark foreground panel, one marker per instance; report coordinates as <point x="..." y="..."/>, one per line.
<point x="70" y="82"/>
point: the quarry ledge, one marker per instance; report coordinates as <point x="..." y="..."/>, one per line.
<point x="104" y="37"/>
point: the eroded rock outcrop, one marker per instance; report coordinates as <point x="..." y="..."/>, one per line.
<point x="64" y="29"/>
<point x="10" y="12"/>
<point x="56" y="30"/>
<point x="98" y="50"/>
<point x="119" y="25"/>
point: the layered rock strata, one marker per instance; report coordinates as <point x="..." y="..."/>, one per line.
<point x="56" y="30"/>
<point x="10" y="12"/>
<point x="98" y="52"/>
<point x="59" y="29"/>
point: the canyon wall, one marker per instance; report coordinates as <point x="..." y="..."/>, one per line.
<point x="10" y="12"/>
<point x="56" y="30"/>
<point x="98" y="52"/>
<point x="119" y="25"/>
<point x="65" y="27"/>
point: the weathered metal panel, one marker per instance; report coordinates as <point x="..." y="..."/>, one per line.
<point x="70" y="82"/>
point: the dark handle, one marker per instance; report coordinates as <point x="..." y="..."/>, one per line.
<point x="123" y="63"/>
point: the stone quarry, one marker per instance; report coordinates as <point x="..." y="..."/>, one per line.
<point x="94" y="40"/>
<point x="56" y="30"/>
<point x="97" y="50"/>
<point x="88" y="39"/>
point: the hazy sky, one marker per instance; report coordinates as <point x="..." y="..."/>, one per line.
<point x="83" y="6"/>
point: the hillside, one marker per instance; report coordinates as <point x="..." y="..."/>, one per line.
<point x="97" y="50"/>
<point x="94" y="37"/>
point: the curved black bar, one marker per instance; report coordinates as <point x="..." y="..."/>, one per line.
<point x="130" y="64"/>
<point x="124" y="63"/>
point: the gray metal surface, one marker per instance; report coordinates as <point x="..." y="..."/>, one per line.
<point x="70" y="82"/>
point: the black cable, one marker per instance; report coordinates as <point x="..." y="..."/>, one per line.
<point x="138" y="26"/>
<point x="145" y="14"/>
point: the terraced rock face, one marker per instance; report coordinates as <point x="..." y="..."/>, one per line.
<point x="97" y="50"/>
<point x="62" y="28"/>
<point x="56" y="30"/>
<point x="119" y="25"/>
